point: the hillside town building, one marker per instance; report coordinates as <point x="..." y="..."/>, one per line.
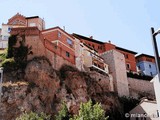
<point x="146" y="64"/>
<point x="146" y="110"/>
<point x="17" y="21"/>
<point x="102" y="47"/>
<point x="84" y="53"/>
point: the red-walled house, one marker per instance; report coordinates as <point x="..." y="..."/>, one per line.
<point x="61" y="43"/>
<point x="101" y="47"/>
<point x="55" y="44"/>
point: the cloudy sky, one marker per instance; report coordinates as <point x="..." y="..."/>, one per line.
<point x="126" y="23"/>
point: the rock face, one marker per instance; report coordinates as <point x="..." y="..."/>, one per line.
<point x="44" y="90"/>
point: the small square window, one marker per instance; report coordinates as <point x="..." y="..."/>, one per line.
<point x="151" y="73"/>
<point x="9" y="29"/>
<point x="69" y="41"/>
<point x="32" y="24"/>
<point x="126" y="56"/>
<point x="67" y="54"/>
<point x="59" y="34"/>
<point x="128" y="66"/>
<point x="150" y="66"/>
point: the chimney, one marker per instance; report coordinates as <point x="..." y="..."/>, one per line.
<point x="91" y="37"/>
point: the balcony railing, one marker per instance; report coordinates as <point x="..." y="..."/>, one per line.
<point x="99" y="65"/>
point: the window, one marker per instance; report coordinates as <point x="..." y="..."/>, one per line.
<point x="93" y="46"/>
<point x="150" y="66"/>
<point x="9" y="29"/>
<point x="69" y="41"/>
<point x="151" y="73"/>
<point x="5" y="37"/>
<point x="67" y="54"/>
<point x="126" y="56"/>
<point x="128" y="66"/>
<point x="32" y="24"/>
<point x="101" y="47"/>
<point x="59" y="34"/>
<point x="139" y="67"/>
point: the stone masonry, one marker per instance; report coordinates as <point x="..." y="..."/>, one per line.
<point x="117" y="68"/>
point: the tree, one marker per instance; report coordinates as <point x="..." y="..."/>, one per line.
<point x="88" y="111"/>
<point x="18" y="53"/>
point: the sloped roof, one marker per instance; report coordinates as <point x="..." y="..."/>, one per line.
<point x="126" y="50"/>
<point x="57" y="27"/>
<point x="32" y="17"/>
<point x="146" y="55"/>
<point x="86" y="38"/>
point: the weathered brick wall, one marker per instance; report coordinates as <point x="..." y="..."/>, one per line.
<point x="34" y="39"/>
<point x="38" y="48"/>
<point x="140" y="87"/>
<point x="37" y="21"/>
<point x="56" y="60"/>
<point x="61" y="38"/>
<point x="117" y="68"/>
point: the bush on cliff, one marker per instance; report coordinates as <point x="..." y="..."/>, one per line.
<point x="88" y="111"/>
<point x="33" y="116"/>
<point x="63" y="114"/>
<point x="8" y="64"/>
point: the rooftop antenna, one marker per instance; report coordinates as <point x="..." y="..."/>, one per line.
<point x="64" y="28"/>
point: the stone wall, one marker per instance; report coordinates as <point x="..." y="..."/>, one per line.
<point x="140" y="88"/>
<point x="117" y="68"/>
<point x="105" y="81"/>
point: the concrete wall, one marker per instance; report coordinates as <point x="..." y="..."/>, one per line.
<point x="117" y="68"/>
<point x="79" y="55"/>
<point x="143" y="87"/>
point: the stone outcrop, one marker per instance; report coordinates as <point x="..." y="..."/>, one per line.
<point x="44" y="90"/>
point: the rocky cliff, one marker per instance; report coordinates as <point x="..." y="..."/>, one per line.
<point x="43" y="89"/>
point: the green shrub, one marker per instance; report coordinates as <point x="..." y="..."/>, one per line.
<point x="88" y="111"/>
<point x="11" y="42"/>
<point x="33" y="116"/>
<point x="63" y="114"/>
<point x="3" y="55"/>
<point x="8" y="63"/>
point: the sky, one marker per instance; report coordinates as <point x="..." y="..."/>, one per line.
<point x="126" y="23"/>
